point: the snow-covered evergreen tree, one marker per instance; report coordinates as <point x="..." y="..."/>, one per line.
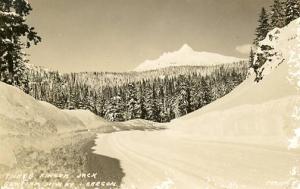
<point x="195" y="94"/>
<point x="133" y="105"/>
<point x="15" y="35"/>
<point x="184" y="96"/>
<point x="154" y="116"/>
<point x="251" y="58"/>
<point x="277" y="18"/>
<point x="115" y="109"/>
<point x="206" y="96"/>
<point x="292" y="11"/>
<point x="147" y="101"/>
<point x="263" y="26"/>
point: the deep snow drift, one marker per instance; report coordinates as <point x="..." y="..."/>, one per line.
<point x="88" y="118"/>
<point x="186" y="56"/>
<point x="238" y="141"/>
<point x="22" y="114"/>
<point x="26" y="122"/>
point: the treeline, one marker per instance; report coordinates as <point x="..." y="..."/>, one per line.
<point x="159" y="99"/>
<point x="100" y="79"/>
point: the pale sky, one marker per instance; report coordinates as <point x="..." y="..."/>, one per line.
<point x="117" y="35"/>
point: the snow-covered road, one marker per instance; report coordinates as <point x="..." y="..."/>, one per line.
<point x="162" y="158"/>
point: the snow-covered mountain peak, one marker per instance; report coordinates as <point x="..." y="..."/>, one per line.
<point x="185" y="48"/>
<point x="186" y="56"/>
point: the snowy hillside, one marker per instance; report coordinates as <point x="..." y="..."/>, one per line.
<point x="238" y="141"/>
<point x="280" y="45"/>
<point x="22" y="114"/>
<point x="24" y="121"/>
<point x="186" y="56"/>
<point x="89" y="119"/>
<point x="271" y="101"/>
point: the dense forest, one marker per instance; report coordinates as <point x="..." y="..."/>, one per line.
<point x="158" y="96"/>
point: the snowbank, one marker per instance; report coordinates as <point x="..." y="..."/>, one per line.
<point x="261" y="111"/>
<point x="89" y="119"/>
<point x="138" y="124"/>
<point x="26" y="122"/>
<point x="22" y="114"/>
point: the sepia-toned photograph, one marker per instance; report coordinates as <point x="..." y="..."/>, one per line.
<point x="149" y="94"/>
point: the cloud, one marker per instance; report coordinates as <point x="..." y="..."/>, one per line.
<point x="243" y="49"/>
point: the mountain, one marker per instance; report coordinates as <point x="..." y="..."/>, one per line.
<point x="186" y="56"/>
<point x="239" y="141"/>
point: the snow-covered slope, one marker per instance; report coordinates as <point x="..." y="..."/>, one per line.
<point x="186" y="56"/>
<point x="279" y="46"/>
<point x="271" y="101"/>
<point x="22" y="114"/>
<point x="238" y="141"/>
<point x="90" y="120"/>
<point x="26" y="122"/>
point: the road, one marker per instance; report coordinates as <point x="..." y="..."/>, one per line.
<point x="164" y="159"/>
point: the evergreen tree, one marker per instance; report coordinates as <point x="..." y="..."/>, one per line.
<point x="162" y="101"/>
<point x="115" y="109"/>
<point x="292" y="10"/>
<point x="206" y="96"/>
<point x="15" y="35"/>
<point x="71" y="102"/>
<point x="133" y="106"/>
<point x="154" y="116"/>
<point x="251" y="58"/>
<point x="148" y="101"/>
<point x="143" y="108"/>
<point x="195" y="92"/>
<point x="100" y="105"/>
<point x="263" y="26"/>
<point x="184" y="96"/>
<point x="277" y="19"/>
